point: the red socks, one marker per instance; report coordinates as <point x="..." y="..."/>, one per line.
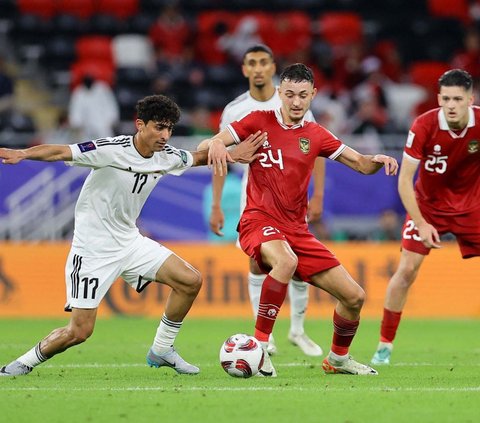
<point x="343" y="332"/>
<point x="271" y="299"/>
<point x="390" y="322"/>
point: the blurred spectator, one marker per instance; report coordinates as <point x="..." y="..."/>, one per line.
<point x="329" y="111"/>
<point x="63" y="133"/>
<point x="171" y="34"/>
<point x="469" y="57"/>
<point x="370" y="113"/>
<point x="390" y="227"/>
<point x="93" y="109"/>
<point x="245" y="34"/>
<point x="199" y="122"/>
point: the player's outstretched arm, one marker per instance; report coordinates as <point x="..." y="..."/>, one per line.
<point x="368" y="164"/>
<point x="45" y="153"/>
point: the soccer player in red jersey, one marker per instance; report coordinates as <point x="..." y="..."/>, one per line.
<point x="273" y="228"/>
<point x="445" y="144"/>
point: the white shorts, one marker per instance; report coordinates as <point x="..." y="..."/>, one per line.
<point x="89" y="278"/>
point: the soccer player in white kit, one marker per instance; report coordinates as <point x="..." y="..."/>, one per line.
<point x="107" y="243"/>
<point x="259" y="67"/>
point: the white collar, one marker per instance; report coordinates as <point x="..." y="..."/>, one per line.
<point x="278" y="115"/>
<point x="442" y="122"/>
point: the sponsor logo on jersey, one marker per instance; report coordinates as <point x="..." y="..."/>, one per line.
<point x="266" y="144"/>
<point x="437" y="149"/>
<point x="411" y="136"/>
<point x="87" y="146"/>
<point x="473" y="146"/>
<point x="304" y="144"/>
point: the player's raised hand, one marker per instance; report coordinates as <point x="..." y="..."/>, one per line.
<point x="390" y="164"/>
<point x="9" y="156"/>
<point x="218" y="156"/>
<point x="429" y="235"/>
<point x="245" y="151"/>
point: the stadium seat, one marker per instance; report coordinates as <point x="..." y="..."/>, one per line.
<point x="100" y="69"/>
<point x="94" y="47"/>
<point x="81" y="8"/>
<point x="426" y="73"/>
<point x="121" y="9"/>
<point x="43" y="8"/>
<point x="445" y="9"/>
<point x="133" y="50"/>
<point x="286" y="32"/>
<point x="340" y="28"/>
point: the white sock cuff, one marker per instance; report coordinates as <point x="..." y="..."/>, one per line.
<point x="299" y="284"/>
<point x="254" y="279"/>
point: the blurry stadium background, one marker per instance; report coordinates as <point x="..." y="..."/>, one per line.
<point x="376" y="65"/>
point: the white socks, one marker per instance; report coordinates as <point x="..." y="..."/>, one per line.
<point x="167" y="331"/>
<point x="297" y="293"/>
<point x="33" y="357"/>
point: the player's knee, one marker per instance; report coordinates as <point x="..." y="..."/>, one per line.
<point x="194" y="283"/>
<point x="355" y="301"/>
<point x="406" y="275"/>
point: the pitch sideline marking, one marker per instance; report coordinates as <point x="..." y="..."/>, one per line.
<point x="249" y="388"/>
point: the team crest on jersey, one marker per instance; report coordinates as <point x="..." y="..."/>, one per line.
<point x="473" y="146"/>
<point x="304" y="144"/>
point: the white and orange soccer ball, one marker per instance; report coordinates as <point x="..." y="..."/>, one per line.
<point x="241" y="356"/>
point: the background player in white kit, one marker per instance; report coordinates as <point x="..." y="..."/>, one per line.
<point x="107" y="244"/>
<point x="259" y="67"/>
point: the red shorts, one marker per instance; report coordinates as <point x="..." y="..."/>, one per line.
<point x="465" y="227"/>
<point x="313" y="256"/>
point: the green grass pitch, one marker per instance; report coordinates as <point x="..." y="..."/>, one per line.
<point x="434" y="377"/>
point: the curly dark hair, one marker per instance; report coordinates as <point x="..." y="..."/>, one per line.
<point x="158" y="108"/>
<point x="298" y="72"/>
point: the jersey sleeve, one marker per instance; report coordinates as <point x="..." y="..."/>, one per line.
<point x="91" y="154"/>
<point x="415" y="141"/>
<point x="180" y="160"/>
<point x="330" y="146"/>
<point x="241" y="129"/>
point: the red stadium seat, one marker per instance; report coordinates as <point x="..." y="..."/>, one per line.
<point x="286" y="32"/>
<point x="446" y="9"/>
<point x="121" y="9"/>
<point x="79" y="8"/>
<point x="94" y="47"/>
<point x="43" y="8"/>
<point x="426" y="73"/>
<point x="99" y="69"/>
<point x="340" y="28"/>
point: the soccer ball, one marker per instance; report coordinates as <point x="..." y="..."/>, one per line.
<point x="241" y="356"/>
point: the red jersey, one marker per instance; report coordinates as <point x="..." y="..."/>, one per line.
<point x="278" y="180"/>
<point x="449" y="173"/>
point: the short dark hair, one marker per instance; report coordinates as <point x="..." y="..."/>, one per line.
<point x="298" y="72"/>
<point x="258" y="47"/>
<point x="456" y="78"/>
<point x="158" y="108"/>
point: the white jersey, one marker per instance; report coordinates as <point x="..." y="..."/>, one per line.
<point x="116" y="190"/>
<point x="241" y="107"/>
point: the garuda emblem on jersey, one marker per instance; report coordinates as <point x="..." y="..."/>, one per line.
<point x="473" y="146"/>
<point x="304" y="144"/>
